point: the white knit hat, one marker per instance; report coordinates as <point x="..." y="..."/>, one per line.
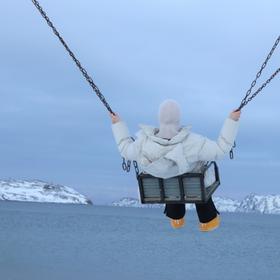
<point x="169" y="119"/>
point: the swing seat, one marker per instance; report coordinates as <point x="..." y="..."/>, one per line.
<point x="196" y="187"/>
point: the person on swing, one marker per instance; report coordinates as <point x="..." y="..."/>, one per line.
<point x="172" y="150"/>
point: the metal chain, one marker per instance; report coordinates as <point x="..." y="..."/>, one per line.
<point x="126" y="164"/>
<point x="259" y="89"/>
<point x="245" y="101"/>
<point x="77" y="62"/>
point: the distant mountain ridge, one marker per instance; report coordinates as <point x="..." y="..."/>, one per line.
<point x="39" y="191"/>
<point x="252" y="203"/>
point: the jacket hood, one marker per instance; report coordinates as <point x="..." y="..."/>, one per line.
<point x="151" y="132"/>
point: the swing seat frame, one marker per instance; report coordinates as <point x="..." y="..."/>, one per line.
<point x="186" y="188"/>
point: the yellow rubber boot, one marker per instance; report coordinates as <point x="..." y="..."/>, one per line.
<point x="177" y="223"/>
<point x="213" y="224"/>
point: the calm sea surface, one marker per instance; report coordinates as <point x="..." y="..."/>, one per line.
<point x="50" y="241"/>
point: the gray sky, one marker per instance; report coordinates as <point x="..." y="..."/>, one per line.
<point x="204" y="54"/>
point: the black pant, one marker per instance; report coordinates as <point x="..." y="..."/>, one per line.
<point x="205" y="211"/>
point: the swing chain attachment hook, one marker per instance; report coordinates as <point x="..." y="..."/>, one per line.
<point x="231" y="155"/>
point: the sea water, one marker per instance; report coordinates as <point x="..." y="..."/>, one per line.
<point x="50" y="241"/>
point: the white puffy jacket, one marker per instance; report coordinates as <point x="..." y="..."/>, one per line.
<point x="185" y="152"/>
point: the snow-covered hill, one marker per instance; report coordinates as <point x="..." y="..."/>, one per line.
<point x="266" y="204"/>
<point x="39" y="191"/>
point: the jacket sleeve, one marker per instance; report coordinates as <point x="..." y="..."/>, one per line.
<point x="215" y="150"/>
<point x="128" y="148"/>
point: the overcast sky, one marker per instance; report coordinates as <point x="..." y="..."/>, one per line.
<point x="204" y="54"/>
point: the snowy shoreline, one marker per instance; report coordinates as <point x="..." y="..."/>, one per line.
<point x="252" y="203"/>
<point x="40" y="191"/>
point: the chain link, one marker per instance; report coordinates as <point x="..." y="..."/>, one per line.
<point x="126" y="165"/>
<point x="136" y="167"/>
<point x="77" y="62"/>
